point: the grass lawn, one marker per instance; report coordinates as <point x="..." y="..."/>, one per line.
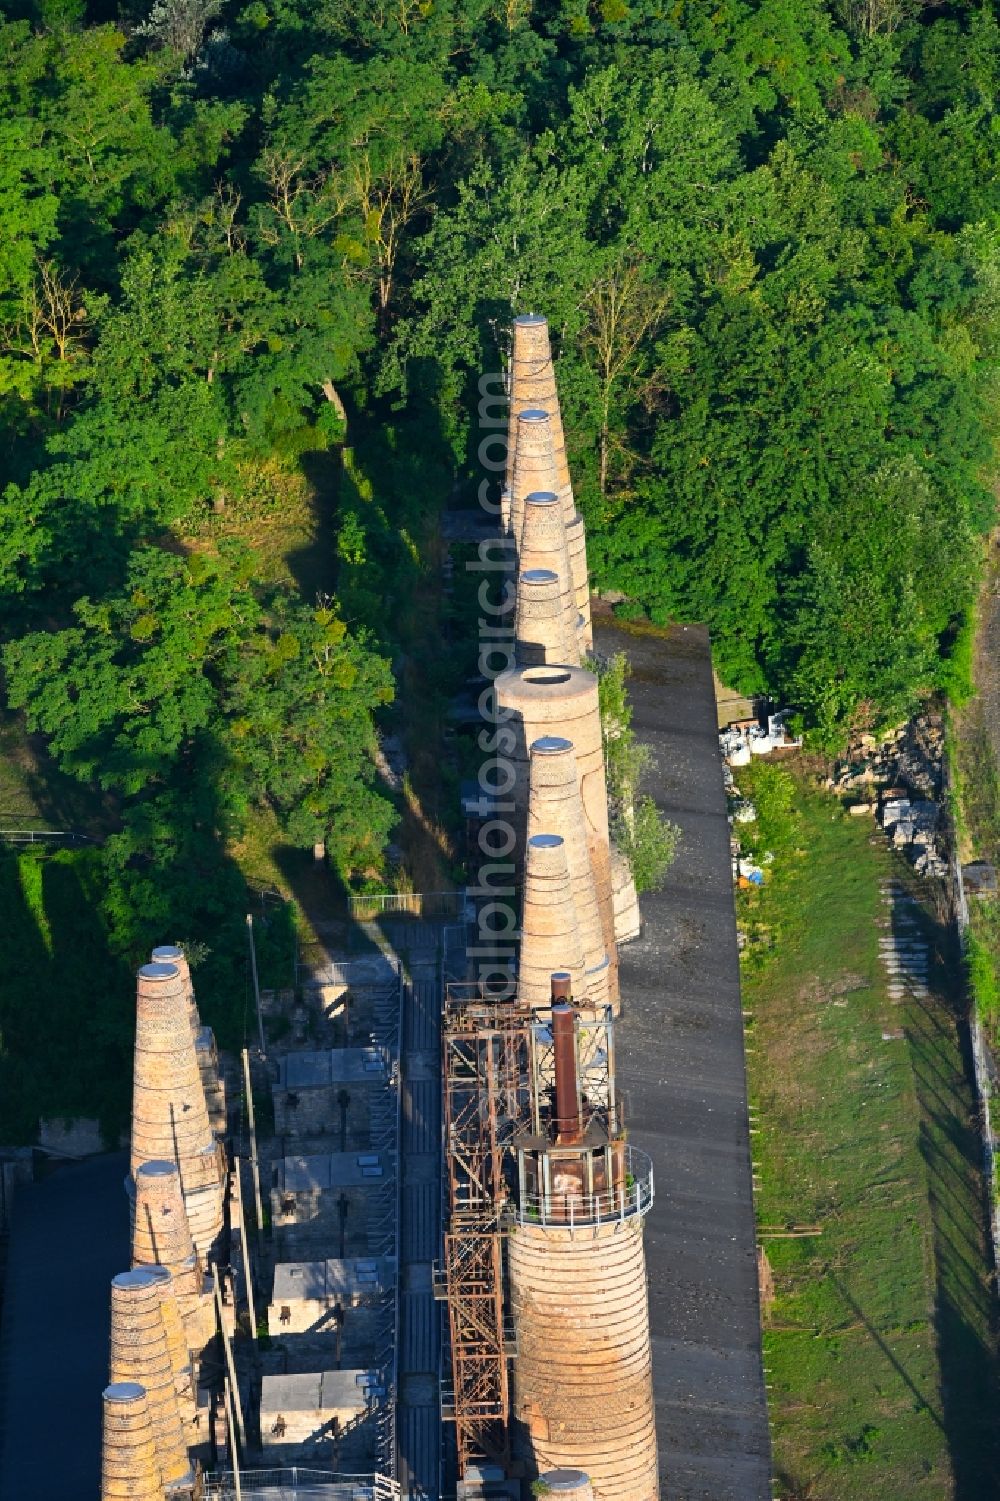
<point x="879" y="1343"/>
<point x="35" y="794"/>
<point x="974" y="743"/>
<point x="65" y="1001"/>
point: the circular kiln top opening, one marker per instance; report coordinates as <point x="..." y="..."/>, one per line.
<point x="548" y="676"/>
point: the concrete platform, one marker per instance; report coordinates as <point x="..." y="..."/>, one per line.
<point x="303" y="1414"/>
<point x="307" y="1293"/>
<point x="330" y="1170"/>
<point x="320" y="1070"/>
<point x="334" y="1281"/>
<point x="681" y="1066"/>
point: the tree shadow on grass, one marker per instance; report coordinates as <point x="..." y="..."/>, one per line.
<point x="950" y="1146"/>
<point x="65" y="1012"/>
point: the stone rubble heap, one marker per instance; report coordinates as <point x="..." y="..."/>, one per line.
<point x="900" y="779"/>
<point x="903" y="947"/>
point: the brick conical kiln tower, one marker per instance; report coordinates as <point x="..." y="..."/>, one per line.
<point x="543" y="545"/>
<point x="555" y="804"/>
<point x="161" y="1236"/>
<point x="533" y="464"/>
<point x="533" y="386"/>
<point x="169" y="1113"/>
<point x="550" y="931"/>
<point x="140" y="1353"/>
<point x="563" y="702"/>
<point x="542" y="632"/>
<point x="204" y="1039"/>
<point x="129" y="1467"/>
<point x="583" y="1392"/>
<point x="544" y="1184"/>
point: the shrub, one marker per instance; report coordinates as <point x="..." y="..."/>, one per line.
<point x="955" y="672"/>
<point x="629" y="609"/>
<point x="646" y="838"/>
<point x="649" y="843"/>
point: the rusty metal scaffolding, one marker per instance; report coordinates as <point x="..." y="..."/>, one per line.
<point x="595" y="1077"/>
<point x="486" y="1089"/>
<point x="474" y="1283"/>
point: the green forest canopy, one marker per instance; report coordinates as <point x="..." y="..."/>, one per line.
<point x="765" y="236"/>
<point x="767" y="239"/>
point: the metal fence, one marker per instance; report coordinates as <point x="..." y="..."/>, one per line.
<point x="43" y="836"/>
<point x="407" y="903"/>
<point x="569" y="1210"/>
<point x="373" y="972"/>
<point x="299" y="1484"/>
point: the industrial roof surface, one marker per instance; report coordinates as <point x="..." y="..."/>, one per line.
<point x="331" y="1170"/>
<point x="681" y="1065"/>
<point x="332" y="1280"/>
<point x="320" y="1070"/>
<point x="316" y="1391"/>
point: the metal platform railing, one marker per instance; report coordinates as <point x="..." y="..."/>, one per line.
<point x="408" y="903"/>
<point x="43" y="836"/>
<point x="301" y="1483"/>
<point x="571" y="1210"/>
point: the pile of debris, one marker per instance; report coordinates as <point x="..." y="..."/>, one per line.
<point x="742" y="739"/>
<point x="914" y="825"/>
<point x="746" y="871"/>
<point x="900" y="779"/>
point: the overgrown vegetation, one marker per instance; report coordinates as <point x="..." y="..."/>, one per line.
<point x="982" y="947"/>
<point x="66" y="1017"/>
<point x="977" y="802"/>
<point x="644" y="835"/>
<point x="975" y="774"/>
<point x="879" y="1343"/>
<point x="254" y="259"/>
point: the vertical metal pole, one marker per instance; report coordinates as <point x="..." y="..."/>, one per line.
<point x="247" y="1272"/>
<point x="609" y="1047"/>
<point x="232" y="1441"/>
<point x="536" y="1120"/>
<point x="229" y="1358"/>
<point x="253" y="1144"/>
<point x="256" y="985"/>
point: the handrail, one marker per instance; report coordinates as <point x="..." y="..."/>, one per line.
<point x="219" y="1485"/>
<point x="569" y="1211"/>
<point x="40" y="836"/>
<point x="411" y="903"/>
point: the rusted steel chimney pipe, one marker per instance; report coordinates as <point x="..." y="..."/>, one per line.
<point x="562" y="986"/>
<point x="564" y="1051"/>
